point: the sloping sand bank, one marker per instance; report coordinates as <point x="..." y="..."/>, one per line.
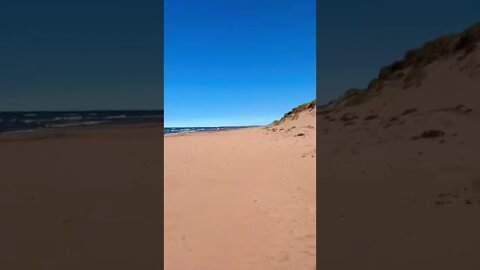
<point x="399" y="173"/>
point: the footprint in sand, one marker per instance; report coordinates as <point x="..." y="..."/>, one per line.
<point x="284" y="258"/>
<point x="184" y="238"/>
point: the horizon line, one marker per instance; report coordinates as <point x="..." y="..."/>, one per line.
<point x="218" y="126"/>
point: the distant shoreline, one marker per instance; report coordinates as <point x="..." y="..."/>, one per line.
<point x="172" y="131"/>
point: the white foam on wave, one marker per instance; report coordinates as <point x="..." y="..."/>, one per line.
<point x="28" y="121"/>
<point x="38" y="121"/>
<point x="76" y="124"/>
<point x="67" y="118"/>
<point x="116" y="117"/>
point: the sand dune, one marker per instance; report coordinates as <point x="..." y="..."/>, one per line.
<point x="399" y="171"/>
<point x="242" y="199"/>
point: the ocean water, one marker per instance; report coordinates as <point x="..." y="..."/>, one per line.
<point x="34" y="121"/>
<point x="177" y="130"/>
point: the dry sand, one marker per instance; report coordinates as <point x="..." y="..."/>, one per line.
<point x="82" y="199"/>
<point x="388" y="201"/>
<point x="241" y="199"/>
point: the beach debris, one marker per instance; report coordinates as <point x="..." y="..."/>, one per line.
<point x="348" y="117"/>
<point x="290" y="129"/>
<point x="393" y="119"/>
<point x="432" y="133"/>
<point x="442" y="202"/>
<point x="462" y="109"/>
<point x="409" y="111"/>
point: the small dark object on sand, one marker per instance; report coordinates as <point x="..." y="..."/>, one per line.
<point x="433" y="133"/>
<point x="394" y="118"/>
<point x="408" y="111"/>
<point x="441" y="202"/>
<point x="348" y="117"/>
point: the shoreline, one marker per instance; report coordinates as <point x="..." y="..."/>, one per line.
<point x="65" y="131"/>
<point x="40" y="121"/>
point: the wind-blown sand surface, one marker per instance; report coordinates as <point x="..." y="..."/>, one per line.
<point x="241" y="199"/>
<point x="81" y="199"/>
<point x="392" y="195"/>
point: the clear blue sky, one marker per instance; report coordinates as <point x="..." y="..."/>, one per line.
<point x="356" y="38"/>
<point x="237" y="62"/>
<point x="80" y="55"/>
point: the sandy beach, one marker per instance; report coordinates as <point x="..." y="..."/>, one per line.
<point x="399" y="172"/>
<point x="82" y="199"/>
<point x="242" y="199"/>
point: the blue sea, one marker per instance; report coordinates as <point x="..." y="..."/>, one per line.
<point x="178" y="130"/>
<point x="13" y="122"/>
